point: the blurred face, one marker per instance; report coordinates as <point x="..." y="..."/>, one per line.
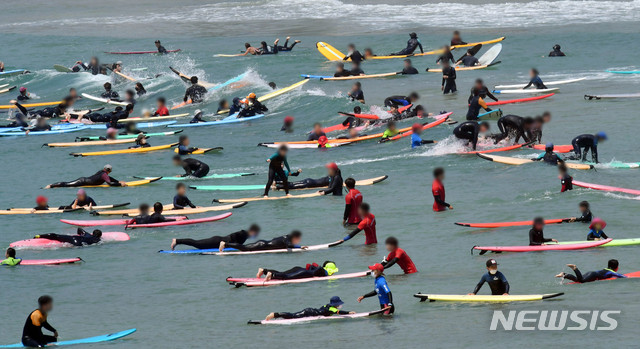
<point x="296" y="241"/>
<point x="282" y="152"/>
<point x="377" y="273"/>
<point x="407" y="64"/>
<point x="47" y="307"/>
<point x="483" y="128"/>
<point x="182" y="190"/>
<point x="317" y="129"/>
<point x="186" y="141"/>
<point x="532" y="74"/>
<point x="538" y="226"/>
<point x="331" y="171"/>
<point x="546" y="117"/>
<point x="492" y="269"/>
<point x="353" y="133"/>
<point x="361" y="212"/>
<point x="583" y="209"/>
<point x="390" y="247"/>
<point x="598" y="226"/>
<point x="81" y="196"/>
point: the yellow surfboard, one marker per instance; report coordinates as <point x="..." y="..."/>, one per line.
<point x="126" y="151"/>
<point x="31" y="105"/>
<point x="275" y="93"/>
<point x="168" y="210"/>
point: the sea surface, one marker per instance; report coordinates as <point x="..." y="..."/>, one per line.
<point x="183" y="301"/>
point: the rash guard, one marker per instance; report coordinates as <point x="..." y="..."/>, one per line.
<point x="400" y="257"/>
<point x="497" y="282"/>
<point x="352" y="203"/>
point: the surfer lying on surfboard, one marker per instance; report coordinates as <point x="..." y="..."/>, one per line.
<point x="145" y="218"/>
<point x="213" y="242"/>
<point x="611" y="271"/>
<point x="496" y="280"/>
<point x="286" y="47"/>
<point x="288" y="241"/>
<point x="82" y="237"/>
<point x="332" y="308"/>
<point x="470" y="130"/>
<point x="328" y="268"/>
<point x="100" y="177"/>
<point x="193" y="168"/>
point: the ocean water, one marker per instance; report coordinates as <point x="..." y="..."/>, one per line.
<point x="183" y="301"/>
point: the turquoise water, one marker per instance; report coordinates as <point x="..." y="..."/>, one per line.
<point x="183" y="301"/>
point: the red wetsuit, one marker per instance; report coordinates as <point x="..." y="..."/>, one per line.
<point x="403" y="260"/>
<point x="437" y="188"/>
<point x="353" y="201"/>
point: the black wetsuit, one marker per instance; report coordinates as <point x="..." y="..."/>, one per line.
<point x="21" y="121"/>
<point x="356" y="72"/>
<point x="397" y="101"/>
<point x="550" y="158"/>
<point x="474" y="108"/>
<point x="536" y="238"/>
<point x="497" y="282"/>
<point x="342" y="73"/>
<point x="268" y="50"/>
<point x="213" y="242"/>
<point x="334" y="184"/>
<point x="355" y="56"/>
<point x="469" y="61"/>
<point x="556" y="53"/>
<point x="286" y="47"/>
<point x="81" y="203"/>
<point x="315" y="136"/>
<point x="537" y="82"/>
<point x="483" y="92"/>
<point x="100" y="177"/>
<point x="150" y="219"/>
<point x="117" y="116"/>
<point x="275" y="169"/>
<point x="567" y="184"/>
<point x="357" y="95"/>
<point x="253" y="110"/>
<point x="81" y="239"/>
<point x="282" y="242"/>
<point x="32" y="335"/>
<point x="109" y="94"/>
<point x="586" y="142"/>
<point x="592" y="275"/>
<point x="194" y="168"/>
<point x="161" y="49"/>
<point x="446" y="57"/>
<point x="586" y="217"/>
<point x="512" y="125"/>
<point x="22" y="97"/>
<point x="95" y="69"/>
<point x="468" y="130"/>
<point x="326" y="310"/>
<point x="180" y="202"/>
<point x="449" y="83"/>
<point x="412" y="45"/>
<point x="410" y="71"/>
<point x="196" y="93"/>
<point x="312" y="270"/>
<point x="50" y="112"/>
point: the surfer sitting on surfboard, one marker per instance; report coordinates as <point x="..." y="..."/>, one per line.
<point x="213" y="242"/>
<point x="32" y="335"/>
<point x="596" y="230"/>
<point x="195" y="92"/>
<point x="193" y="168"/>
<point x="80" y="239"/>
<point x="10" y="258"/>
<point x="288" y="241"/>
<point x="469" y="60"/>
<point x="496" y="280"/>
<point x="611" y="271"/>
<point x="286" y="47"/>
<point x="252" y="107"/>
<point x="333" y="308"/>
<point x="183" y="145"/>
<point x="456" y="39"/>
<point x="328" y="268"/>
<point x="535" y="80"/>
<point x="412" y="44"/>
<point x="536" y="235"/>
<point x="340" y="71"/>
<point x="141" y="142"/>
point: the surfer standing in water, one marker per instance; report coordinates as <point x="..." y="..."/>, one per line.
<point x="496" y="280"/>
<point x="276" y="161"/>
<point x="456" y="39"/>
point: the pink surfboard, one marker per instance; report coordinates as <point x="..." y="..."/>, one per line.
<point x="46" y="243"/>
<point x="104" y="222"/>
<point x="50" y="261"/>
<point x="181" y="222"/>
<point x="606" y="188"/>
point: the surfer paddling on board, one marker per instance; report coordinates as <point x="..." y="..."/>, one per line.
<point x="457" y="39"/>
<point x="100" y="177"/>
<point x="536" y="234"/>
<point x="195" y="92"/>
<point x="368" y="224"/>
<point x="32" y="335"/>
<point x="583" y="143"/>
<point x="397" y="256"/>
<point x="276" y="162"/>
<point x="82" y="237"/>
<point x="483" y="91"/>
<point x="311" y="270"/>
<point x="288" y="241"/>
<point x="416" y="138"/>
<point x="446" y="55"/>
<point x="381" y="289"/>
<point x="268" y="50"/>
<point x="475" y="103"/>
<point x="332" y="308"/>
<point x="356" y="70"/>
<point x="496" y="280"/>
<point x="213" y="242"/>
<point x="286" y="47"/>
<point x="401" y="101"/>
<point x="534" y="74"/>
<point x="93" y="66"/>
<point x="354" y="54"/>
<point x="81" y="200"/>
<point x="611" y="271"/>
<point x="437" y="190"/>
<point x="155" y="217"/>
<point x="249" y="50"/>
<point x="160" y="48"/>
<point x="470" y="131"/>
<point x="556" y="51"/>
<point x="412" y="44"/>
<point x="193" y="168"/>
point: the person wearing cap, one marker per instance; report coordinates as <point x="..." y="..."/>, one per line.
<point x="536" y="234"/>
<point x="235" y="107"/>
<point x="193" y="168"/>
<point x="10" y="258"/>
<point x="42" y="204"/>
<point x="356" y="93"/>
<point x="332" y="308"/>
<point x="213" y="242"/>
<point x="416" y="140"/>
<point x="276" y="162"/>
<point x="249" y="50"/>
<point x="161" y="107"/>
<point x="99" y="178"/>
<point x="197" y="117"/>
<point x="340" y="71"/>
<point x="535" y="80"/>
<point x="81" y="238"/>
<point x="566" y="181"/>
<point x="549" y="156"/>
<point x="82" y="200"/>
<point x="448" y="78"/>
<point x="496" y="280"/>
<point x="289" y="241"/>
<point x="335" y="184"/>
<point x="483" y="91"/>
<point x="252" y="107"/>
<point x="397" y="256"/>
<point x="381" y="289"/>
<point x="412" y="45"/>
<point x="316" y="133"/>
<point x="585" y="213"/>
<point x="287" y="124"/>
<point x="470" y="130"/>
<point x="353" y="54"/>
<point x="456" y="39"/>
<point x="352" y="200"/>
<point x="437" y="190"/>
<point x="583" y="143"/>
<point x="408" y="68"/>
<point x="184" y="145"/>
<point x="475" y="103"/>
<point x="610" y="272"/>
<point x="194" y="93"/>
<point x="141" y="142"/>
<point x="160" y="48"/>
<point x="469" y="59"/>
<point x="368" y="224"/>
<point x="556" y="51"/>
<point x="109" y="93"/>
<point x="24" y="95"/>
<point x="596" y="230"/>
<point x="311" y="270"/>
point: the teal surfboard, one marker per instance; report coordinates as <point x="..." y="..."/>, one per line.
<point x="96" y="339"/>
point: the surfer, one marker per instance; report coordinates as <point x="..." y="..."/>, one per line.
<point x="416" y="139"/>
<point x="160" y="48"/>
<point x="141" y="142"/>
<point x="475" y="103"/>
<point x="437" y="190"/>
<point x="252" y="107"/>
<point x="180" y="200"/>
<point x="249" y="50"/>
<point x="183" y="145"/>
<point x="470" y="130"/>
<point x="333" y="181"/>
<point x="32" y="335"/>
<point x="583" y="143"/>
<point x="381" y="289"/>
<point x="235" y="107"/>
<point x="120" y="114"/>
<point x="93" y="66"/>
<point x="268" y="50"/>
<point x="368" y="224"/>
<point x="130" y="97"/>
<point x="390" y="132"/>
<point x="161" y="107"/>
<point x="155" y="217"/>
<point x="288" y="241"/>
<point x="197" y="117"/>
<point x="48" y="112"/>
<point x="276" y="162"/>
<point x="456" y="39"/>
<point x="514" y="126"/>
<point x="287" y="124"/>
<point x="140" y="90"/>
<point x="596" y="230"/>
<point x="286" y="47"/>
<point x="333" y="308"/>
<point x="611" y="271"/>
<point x="536" y="235"/>
<point x="446" y="55"/>
<point x="448" y="79"/>
<point x="195" y="92"/>
<point x="81" y="200"/>
<point x="368" y="53"/>
<point x="328" y="268"/>
<point x="100" y="177"/>
<point x="352" y="200"/>
<point x="469" y="60"/>
<point x="24" y="95"/>
<point x="42" y="204"/>
<point x="496" y="280"/>
<point x="401" y="101"/>
<point x="549" y="156"/>
<point x="566" y="181"/>
<point x="340" y="71"/>
<point x="356" y="93"/>
<point x="483" y="91"/>
<point x="412" y="45"/>
<point x="585" y="213"/>
<point x="109" y="93"/>
<point x="353" y="54"/>
<point x="316" y="133"/>
<point x="10" y="258"/>
<point x="556" y="51"/>
<point x="213" y="242"/>
<point x="356" y="70"/>
<point x="397" y="256"/>
<point x="408" y="68"/>
<point x="41" y="125"/>
<point x="193" y="168"/>
<point x="81" y="238"/>
<point x="535" y="80"/>
<point x="115" y="77"/>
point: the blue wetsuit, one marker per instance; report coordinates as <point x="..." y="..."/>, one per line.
<point x="417" y="141"/>
<point x="537" y="82"/>
<point x="596" y="234"/>
<point x="498" y="283"/>
<point x="384" y="293"/>
<point x="593" y="275"/>
<point x="550" y="158"/>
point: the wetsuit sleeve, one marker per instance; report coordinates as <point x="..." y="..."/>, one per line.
<point x="529" y="84"/>
<point x="505" y="282"/>
<point x="420" y="45"/>
<point x="46" y="325"/>
<point x="436" y="197"/>
<point x="332" y="186"/>
<point x="175" y="203"/>
<point x="92" y="202"/>
<point x="490" y="95"/>
<point x="603" y="235"/>
<point x="478" y="286"/>
<point x="353" y="233"/>
<point x="370" y="294"/>
<point x="391" y="263"/>
<point x="539" y="157"/>
<point x="187" y="169"/>
<point x="532" y="238"/>
<point x="190" y="203"/>
<point x="22" y="109"/>
<point x="611" y="274"/>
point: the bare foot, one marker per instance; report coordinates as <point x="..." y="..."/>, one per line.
<point x="276" y="42"/>
<point x="47" y="187"/>
<point x="270" y="317"/>
<point x="260" y="272"/>
<point x="572" y="266"/>
<point x="288" y="37"/>
<point x="298" y="41"/>
<point x="266" y="196"/>
<point x="173" y="244"/>
<point x="561" y="275"/>
<point x="268" y="277"/>
<point x="222" y="245"/>
<point x="288" y="195"/>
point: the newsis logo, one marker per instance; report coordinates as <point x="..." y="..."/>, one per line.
<point x="555" y="320"/>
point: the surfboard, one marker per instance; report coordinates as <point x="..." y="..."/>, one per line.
<point x="528" y="248"/>
<point x="527" y="91"/>
<point x="103" y="100"/>
<point x="62" y="68"/>
<point x="355" y="77"/>
<point x="275" y="93"/>
<point x="472" y="50"/>
<point x="96" y="339"/>
<point x="520" y="100"/>
<point x="612" y="96"/>
<point x="519" y="161"/>
<point x="550" y="83"/>
<point x="485" y="298"/>
<point x="491" y="115"/>
<point x="490" y="56"/>
<point x="370" y="181"/>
